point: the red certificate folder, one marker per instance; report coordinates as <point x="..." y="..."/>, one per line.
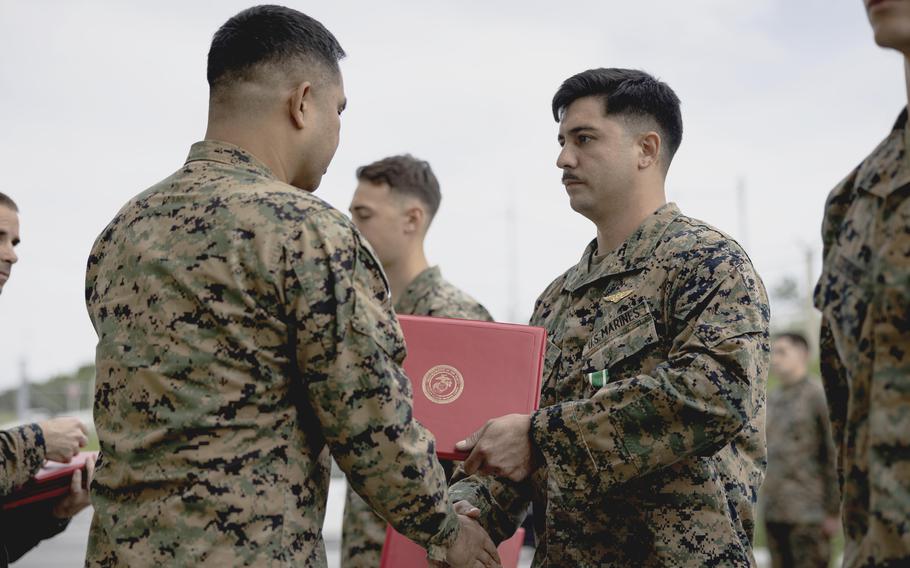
<point x="51" y="482"/>
<point x="464" y="373"/>
<point x="400" y="552"/>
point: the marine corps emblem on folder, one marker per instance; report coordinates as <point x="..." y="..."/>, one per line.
<point x="443" y="384"/>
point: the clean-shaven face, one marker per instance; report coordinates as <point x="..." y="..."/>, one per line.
<point x="788" y="360"/>
<point x="9" y="238"/>
<point x="380" y="214"/>
<point x="890" y="21"/>
<point x="329" y="101"/>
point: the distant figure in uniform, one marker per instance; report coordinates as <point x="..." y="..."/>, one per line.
<point x="801" y="502"/>
<point x="246" y="337"/>
<point x="24" y="450"/>
<point x="648" y="448"/>
<point x="864" y="296"/>
<point x="395" y="201"/>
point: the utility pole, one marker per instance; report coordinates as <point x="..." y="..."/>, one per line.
<point x="742" y="210"/>
<point x="809" y="315"/>
<point x="22" y="398"/>
<point x="512" y="249"/>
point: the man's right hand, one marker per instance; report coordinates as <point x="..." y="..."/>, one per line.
<point x="473" y="548"/>
<point x="63" y="437"/>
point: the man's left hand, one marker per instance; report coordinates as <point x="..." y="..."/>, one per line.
<point x="79" y="496"/>
<point x="502" y="448"/>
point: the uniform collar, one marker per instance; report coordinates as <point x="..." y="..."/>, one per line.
<point x="424" y="283"/>
<point x="630" y="255"/>
<point x="226" y="153"/>
<point x="885" y="170"/>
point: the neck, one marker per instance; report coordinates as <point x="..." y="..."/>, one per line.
<point x="250" y="139"/>
<point x="907" y="78"/>
<point x="404" y="271"/>
<point x="616" y="224"/>
<point x="795" y="379"/>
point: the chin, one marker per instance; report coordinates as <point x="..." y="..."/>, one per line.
<point x="890" y="38"/>
<point x="308" y="186"/>
<point x="892" y="30"/>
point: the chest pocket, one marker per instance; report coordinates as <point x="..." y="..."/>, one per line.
<point x="607" y="351"/>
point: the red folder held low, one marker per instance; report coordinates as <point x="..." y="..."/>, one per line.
<point x="400" y="552"/>
<point x="466" y="372"/>
<point x="51" y="482"/>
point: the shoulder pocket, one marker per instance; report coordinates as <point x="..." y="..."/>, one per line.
<point x="373" y="314"/>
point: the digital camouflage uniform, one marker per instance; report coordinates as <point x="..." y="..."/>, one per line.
<point x="864" y="296"/>
<point x="429" y="294"/>
<point x="661" y="466"/>
<point x="245" y="332"/>
<point x="800" y="489"/>
<point x="22" y="454"/>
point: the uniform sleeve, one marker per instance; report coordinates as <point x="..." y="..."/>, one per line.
<point x="836" y="391"/>
<point x="503" y="504"/>
<point x="349" y="347"/>
<point x="22" y="452"/>
<point x="827" y="459"/>
<point x="709" y="389"/>
<point x="833" y="373"/>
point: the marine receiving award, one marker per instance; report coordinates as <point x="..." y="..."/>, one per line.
<point x="466" y="372"/>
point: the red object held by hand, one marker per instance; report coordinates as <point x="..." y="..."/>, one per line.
<point x="465" y="372"/>
<point x="51" y="482"/>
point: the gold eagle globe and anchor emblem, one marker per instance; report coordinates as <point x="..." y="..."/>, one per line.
<point x="442" y="384"/>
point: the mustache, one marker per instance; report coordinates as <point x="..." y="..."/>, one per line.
<point x="566" y="176"/>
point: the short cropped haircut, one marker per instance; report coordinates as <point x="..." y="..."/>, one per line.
<point x="797" y="339"/>
<point x="269" y="34"/>
<point x="627" y="92"/>
<point x="7" y="201"/>
<point x="406" y="175"/>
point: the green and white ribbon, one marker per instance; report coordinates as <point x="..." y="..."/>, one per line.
<point x="598" y="379"/>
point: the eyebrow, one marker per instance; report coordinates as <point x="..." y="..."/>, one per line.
<point x="578" y="129"/>
<point x="581" y="128"/>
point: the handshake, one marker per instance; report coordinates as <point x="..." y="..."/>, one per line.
<point x="473" y="547"/>
<point x="503" y="448"/>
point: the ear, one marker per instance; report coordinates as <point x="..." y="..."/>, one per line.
<point x="649" y="149"/>
<point x="299" y="103"/>
<point x="414" y="218"/>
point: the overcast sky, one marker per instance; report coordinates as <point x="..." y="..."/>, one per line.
<point x="100" y="100"/>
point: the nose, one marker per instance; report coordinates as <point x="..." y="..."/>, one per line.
<point x="8" y="253"/>
<point x="566" y="158"/>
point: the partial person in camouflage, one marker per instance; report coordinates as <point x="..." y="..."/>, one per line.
<point x="245" y="337"/>
<point x="864" y="296"/>
<point x="648" y="449"/>
<point x="800" y="498"/>
<point x="24" y="450"/>
<point x="393" y="206"/>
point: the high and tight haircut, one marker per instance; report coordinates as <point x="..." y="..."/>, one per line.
<point x="269" y="34"/>
<point x="627" y="92"/>
<point x="7" y="201"/>
<point x="405" y="175"/>
<point x="795" y="338"/>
